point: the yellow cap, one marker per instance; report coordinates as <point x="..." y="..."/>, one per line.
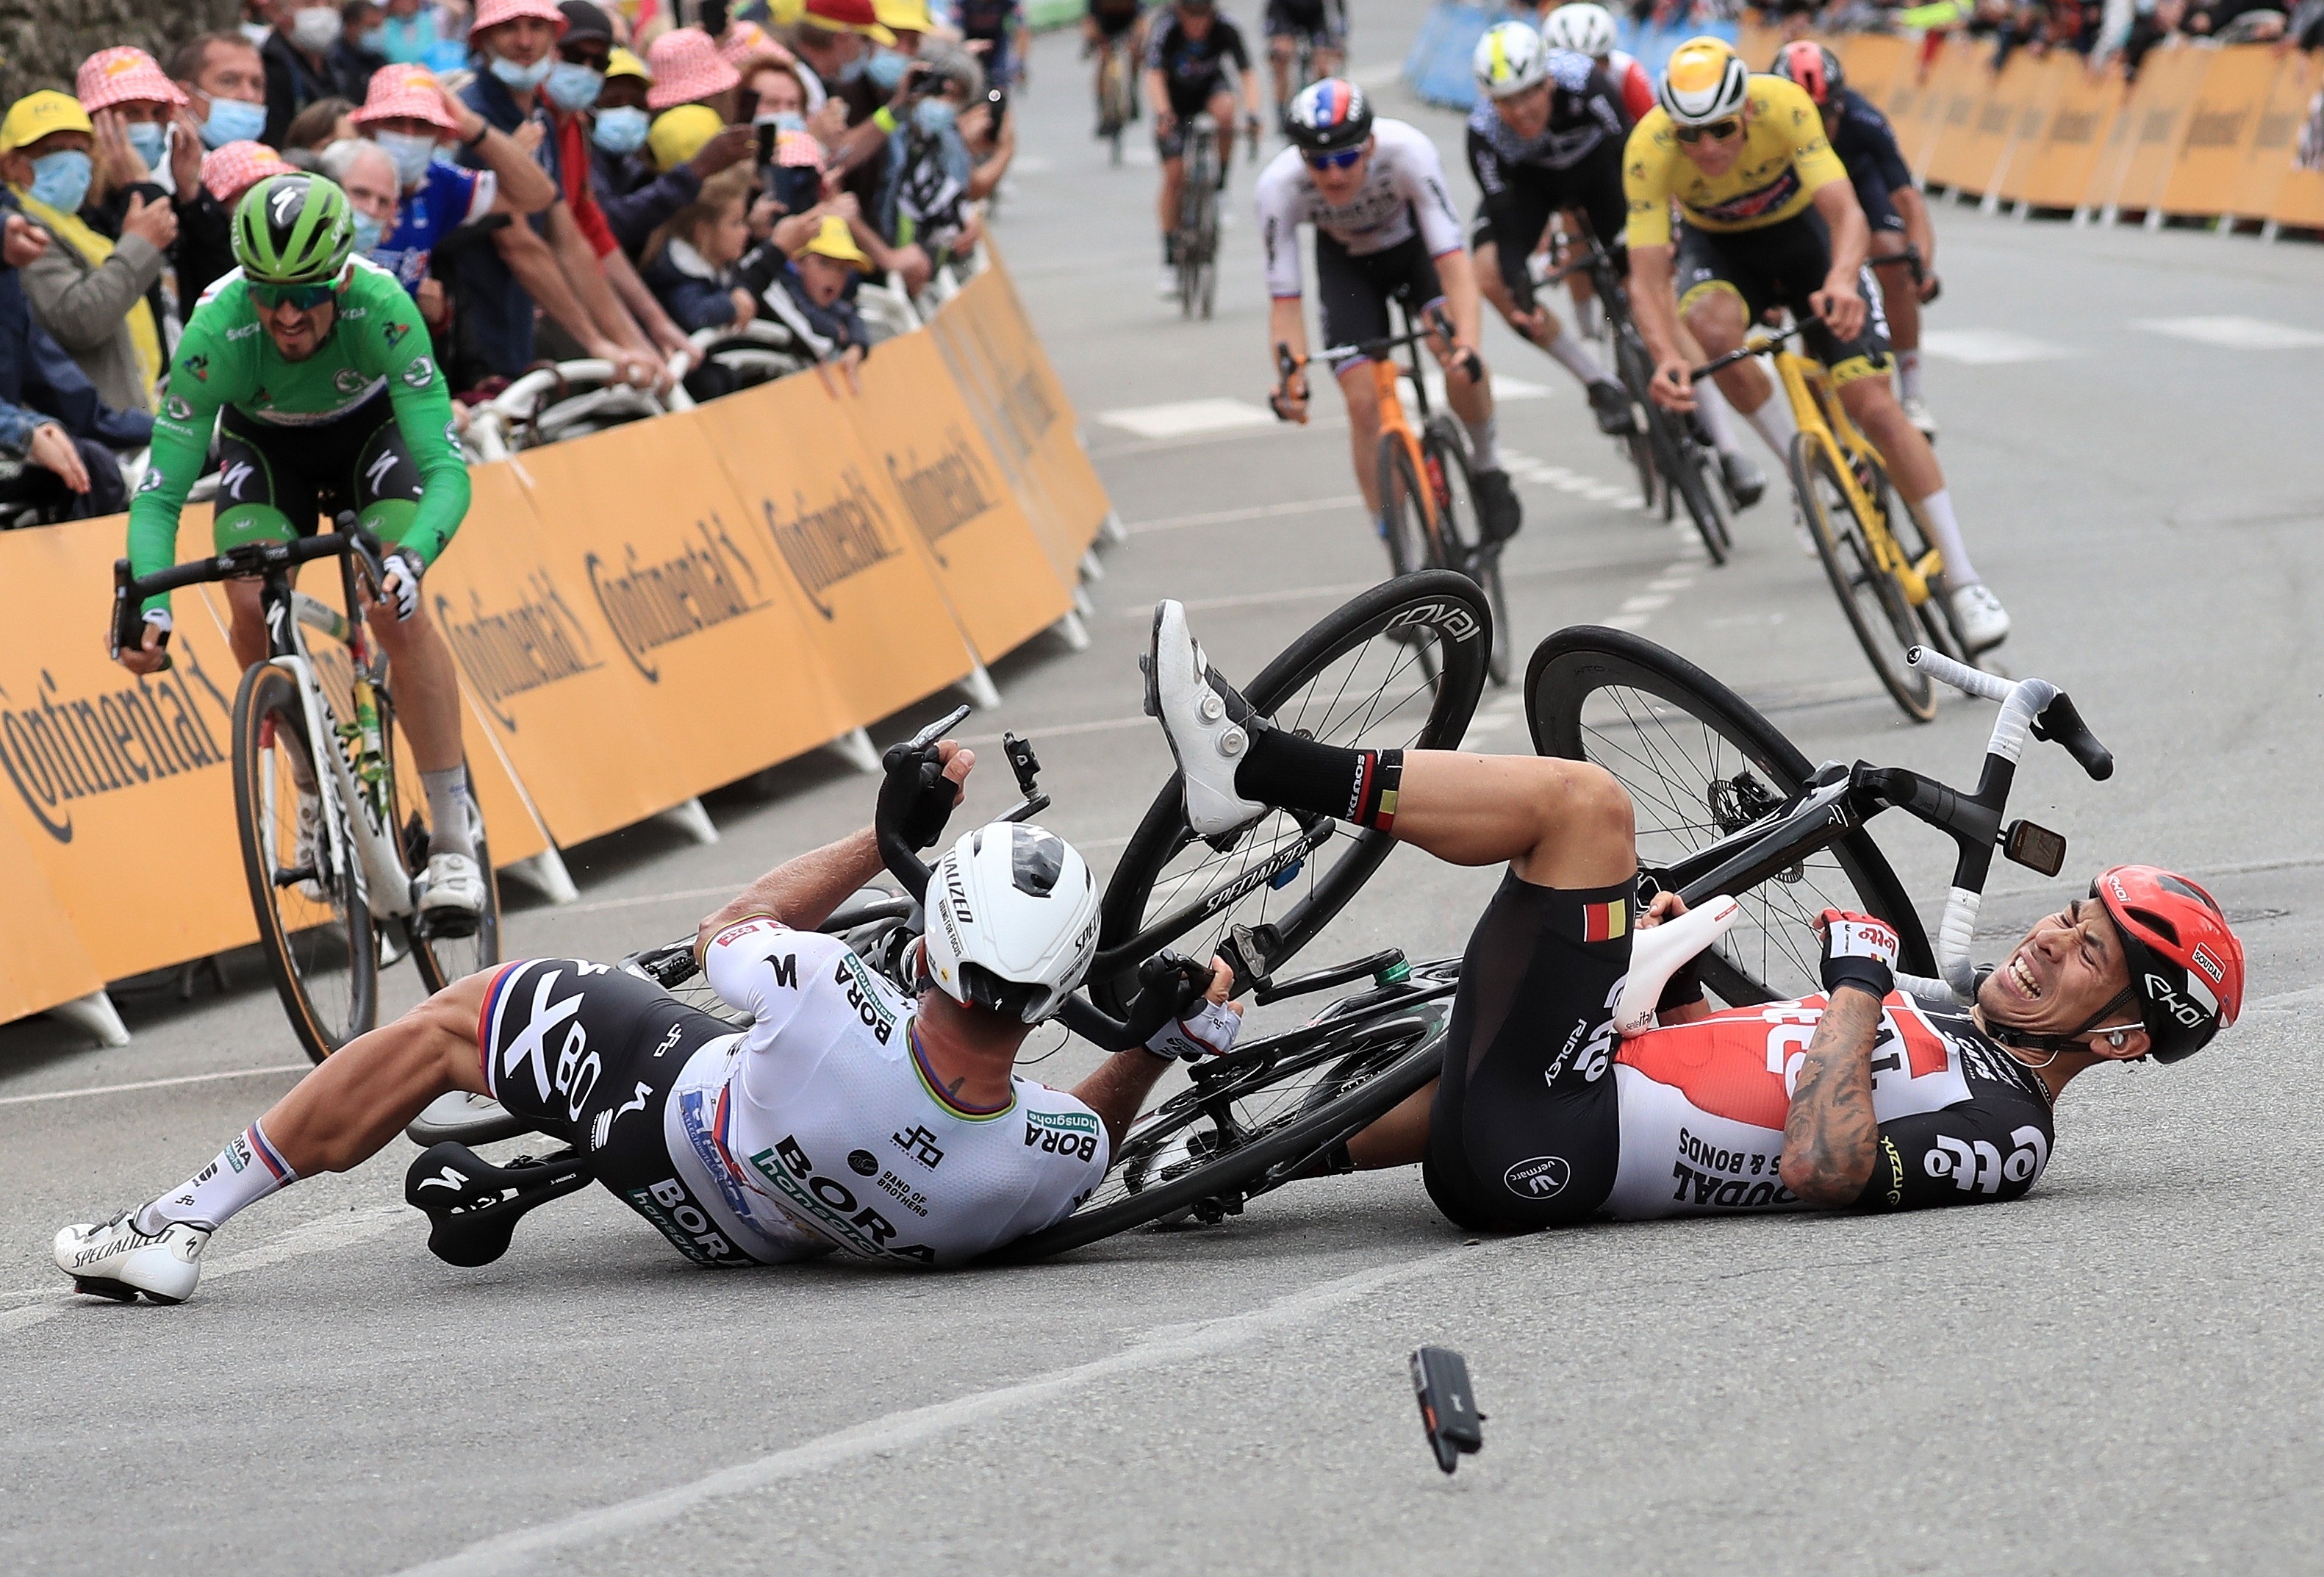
<point x="622" y="63"/>
<point x="904" y="16"/>
<point x="785" y="12"/>
<point x="678" y="134"/>
<point x="39" y="114"/>
<point x="836" y="241"/>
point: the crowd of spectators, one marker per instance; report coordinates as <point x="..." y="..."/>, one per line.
<point x="545" y="184"/>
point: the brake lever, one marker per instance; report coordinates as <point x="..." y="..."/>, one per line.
<point x="2060" y="723"/>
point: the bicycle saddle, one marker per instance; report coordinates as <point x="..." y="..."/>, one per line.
<point x="473" y="1206"/>
<point x="1659" y="952"/>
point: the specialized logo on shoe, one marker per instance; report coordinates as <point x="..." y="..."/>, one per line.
<point x="1543" y="1177"/>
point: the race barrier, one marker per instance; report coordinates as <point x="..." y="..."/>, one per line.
<point x="637" y="617"/>
<point x="2206" y="132"/>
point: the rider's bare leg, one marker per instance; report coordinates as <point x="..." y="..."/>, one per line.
<point x="1355" y="381"/>
<point x="1716" y="320"/>
<point x="1222" y="110"/>
<point x="428" y="705"/>
<point x="1279" y="66"/>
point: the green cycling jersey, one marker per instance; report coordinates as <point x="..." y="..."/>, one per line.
<point x="226" y="359"/>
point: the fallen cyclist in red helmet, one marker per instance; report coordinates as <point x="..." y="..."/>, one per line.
<point x="1862" y="1098"/>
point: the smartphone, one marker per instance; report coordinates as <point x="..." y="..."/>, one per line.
<point x="998" y="98"/>
<point x="768" y="133"/>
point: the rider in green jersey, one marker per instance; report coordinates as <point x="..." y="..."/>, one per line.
<point x="314" y="367"/>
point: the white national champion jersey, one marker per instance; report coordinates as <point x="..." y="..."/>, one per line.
<point x="1404" y="184"/>
<point x="819" y="1127"/>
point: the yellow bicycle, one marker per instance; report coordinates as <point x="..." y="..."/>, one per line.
<point x="1874" y="547"/>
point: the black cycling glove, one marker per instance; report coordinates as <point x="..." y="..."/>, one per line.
<point x="1858" y="951"/>
<point x="916" y="798"/>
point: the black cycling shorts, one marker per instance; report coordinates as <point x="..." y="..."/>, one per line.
<point x="587" y="1054"/>
<point x="1526" y="1131"/>
<point x="1352" y="293"/>
<point x="276" y="480"/>
<point x="1782" y="265"/>
<point x="1114" y="17"/>
<point x="1185" y="104"/>
<point x="1313" y="22"/>
<point x="1514" y="221"/>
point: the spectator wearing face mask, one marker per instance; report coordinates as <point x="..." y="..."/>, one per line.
<point x="57" y="436"/>
<point x="636" y="196"/>
<point x="147" y="156"/>
<point x="224" y="84"/>
<point x="308" y="56"/>
<point x="922" y="203"/>
<point x="407" y="118"/>
<point x="87" y="292"/>
<point x="560" y="258"/>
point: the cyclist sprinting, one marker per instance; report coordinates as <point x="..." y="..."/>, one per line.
<point x="1108" y="25"/>
<point x="1385" y="229"/>
<point x="1770" y="220"/>
<point x="1861" y="1098"/>
<point x="1188" y="51"/>
<point x="848" y="1116"/>
<point x="1323" y="24"/>
<point x="1893" y="208"/>
<point x="313" y="365"/>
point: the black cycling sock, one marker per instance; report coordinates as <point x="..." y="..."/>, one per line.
<point x="1302" y="774"/>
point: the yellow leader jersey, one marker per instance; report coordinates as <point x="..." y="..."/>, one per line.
<point x="1785" y="161"/>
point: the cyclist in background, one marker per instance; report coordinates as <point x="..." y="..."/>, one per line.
<point x="1385" y="228"/>
<point x="314" y="367"/>
<point x="995" y="32"/>
<point x="1588" y="30"/>
<point x="1323" y="24"/>
<point x="1107" y="26"/>
<point x="1187" y="49"/>
<point x="1892" y="205"/>
<point x="1770" y="220"/>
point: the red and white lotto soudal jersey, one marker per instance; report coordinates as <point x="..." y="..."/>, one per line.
<point x="1637" y="86"/>
<point x="1702" y="1106"/>
<point x="819" y="1128"/>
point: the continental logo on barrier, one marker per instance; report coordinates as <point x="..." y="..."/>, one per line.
<point x="650" y="605"/>
<point x="58" y="749"/>
<point x="824" y="546"/>
<point x="945" y="493"/>
<point x="507" y="652"/>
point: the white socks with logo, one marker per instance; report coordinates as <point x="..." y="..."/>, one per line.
<point x="1484" y="438"/>
<point x="1908" y="374"/>
<point x="1944" y="531"/>
<point x="1711" y="407"/>
<point x="246" y="1171"/>
<point x="449" y="811"/>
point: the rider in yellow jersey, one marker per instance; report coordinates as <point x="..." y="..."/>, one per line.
<point x="1768" y="219"/>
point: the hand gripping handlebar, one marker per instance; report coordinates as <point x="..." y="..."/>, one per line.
<point x="2028" y="706"/>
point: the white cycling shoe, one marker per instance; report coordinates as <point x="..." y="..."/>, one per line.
<point x="113" y="1259"/>
<point x="1206" y="721"/>
<point x="1166" y="286"/>
<point x="468" y="1118"/>
<point x="1916" y="412"/>
<point x="1983" y="622"/>
<point x="452" y="886"/>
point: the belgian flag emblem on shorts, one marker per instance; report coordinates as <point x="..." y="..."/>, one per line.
<point x="1607" y="922"/>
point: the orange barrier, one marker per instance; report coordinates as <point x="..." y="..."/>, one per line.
<point x="2056" y="171"/>
<point x="2221" y="123"/>
<point x="2267" y="159"/>
<point x="637" y="616"/>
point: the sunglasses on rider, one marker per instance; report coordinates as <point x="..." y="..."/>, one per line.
<point x="305" y="297"/>
<point x="1717" y="130"/>
<point x="1344" y="159"/>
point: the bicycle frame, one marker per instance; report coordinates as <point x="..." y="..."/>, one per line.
<point x="1817" y="408"/>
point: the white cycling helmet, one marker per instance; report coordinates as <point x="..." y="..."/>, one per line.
<point x="1509" y="59"/>
<point x="1705" y="82"/>
<point x="1581" y="27"/>
<point x="1012" y="920"/>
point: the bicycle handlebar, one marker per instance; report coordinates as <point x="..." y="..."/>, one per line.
<point x="130" y="591"/>
<point x="1437" y="325"/>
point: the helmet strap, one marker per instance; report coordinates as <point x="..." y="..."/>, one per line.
<point x="2027" y="1040"/>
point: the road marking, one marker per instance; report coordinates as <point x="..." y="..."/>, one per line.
<point x="2234" y="333"/>
<point x="153" y="1083"/>
<point x="319" y="1237"/>
<point x="1260" y="599"/>
<point x="1262" y="511"/>
<point x="548" y="1544"/>
<point x="1990" y="347"/>
<point x="1646" y="604"/>
<point x="1187" y="418"/>
<point x="1525" y="467"/>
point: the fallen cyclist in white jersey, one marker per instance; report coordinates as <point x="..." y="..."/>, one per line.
<point x="847" y="1117"/>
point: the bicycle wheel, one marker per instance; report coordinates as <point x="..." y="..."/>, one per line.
<point x="1698" y="764"/>
<point x="1354" y="680"/>
<point x="1637" y="373"/>
<point x="1884" y="622"/>
<point x="1412" y="547"/>
<point x="315" y="925"/>
<point x="1444" y="466"/>
<point x="1249" y="1120"/>
<point x="1695" y="477"/>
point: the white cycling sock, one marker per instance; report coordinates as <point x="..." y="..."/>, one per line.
<point x="246" y="1171"/>
<point x="449" y="811"/>
<point x="1576" y="358"/>
<point x="1773" y="422"/>
<point x="1937" y="509"/>
<point x="1711" y="406"/>
<point x="1908" y="374"/>
<point x="1482" y="438"/>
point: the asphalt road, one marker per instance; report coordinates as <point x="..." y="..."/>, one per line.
<point x="2118" y="1374"/>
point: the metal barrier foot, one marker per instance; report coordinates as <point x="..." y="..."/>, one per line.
<point x="855" y="749"/>
<point x="545" y="874"/>
<point x="1092" y="567"/>
<point x="693" y="821"/>
<point x="980" y="689"/>
<point x="1071" y="631"/>
<point x="95" y="1014"/>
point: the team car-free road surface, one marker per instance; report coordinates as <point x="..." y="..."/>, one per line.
<point x="2119" y="1374"/>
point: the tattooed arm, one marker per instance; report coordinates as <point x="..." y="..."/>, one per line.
<point x="1829" y="1135"/>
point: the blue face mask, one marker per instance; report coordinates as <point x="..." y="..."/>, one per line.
<point x="60" y="180"/>
<point x="785" y="121"/>
<point x="367" y="232"/>
<point x="933" y="116"/>
<point x="885" y="70"/>
<point x="852" y="71"/>
<point x="151" y="139"/>
<point x="232" y="121"/>
<point x="571" y="88"/>
<point x="522" y="78"/>
<point x="620" y="131"/>
<point x="412" y="154"/>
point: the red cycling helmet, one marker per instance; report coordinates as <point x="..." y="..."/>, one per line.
<point x="2186" y="967"/>
<point x="1814" y="67"/>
